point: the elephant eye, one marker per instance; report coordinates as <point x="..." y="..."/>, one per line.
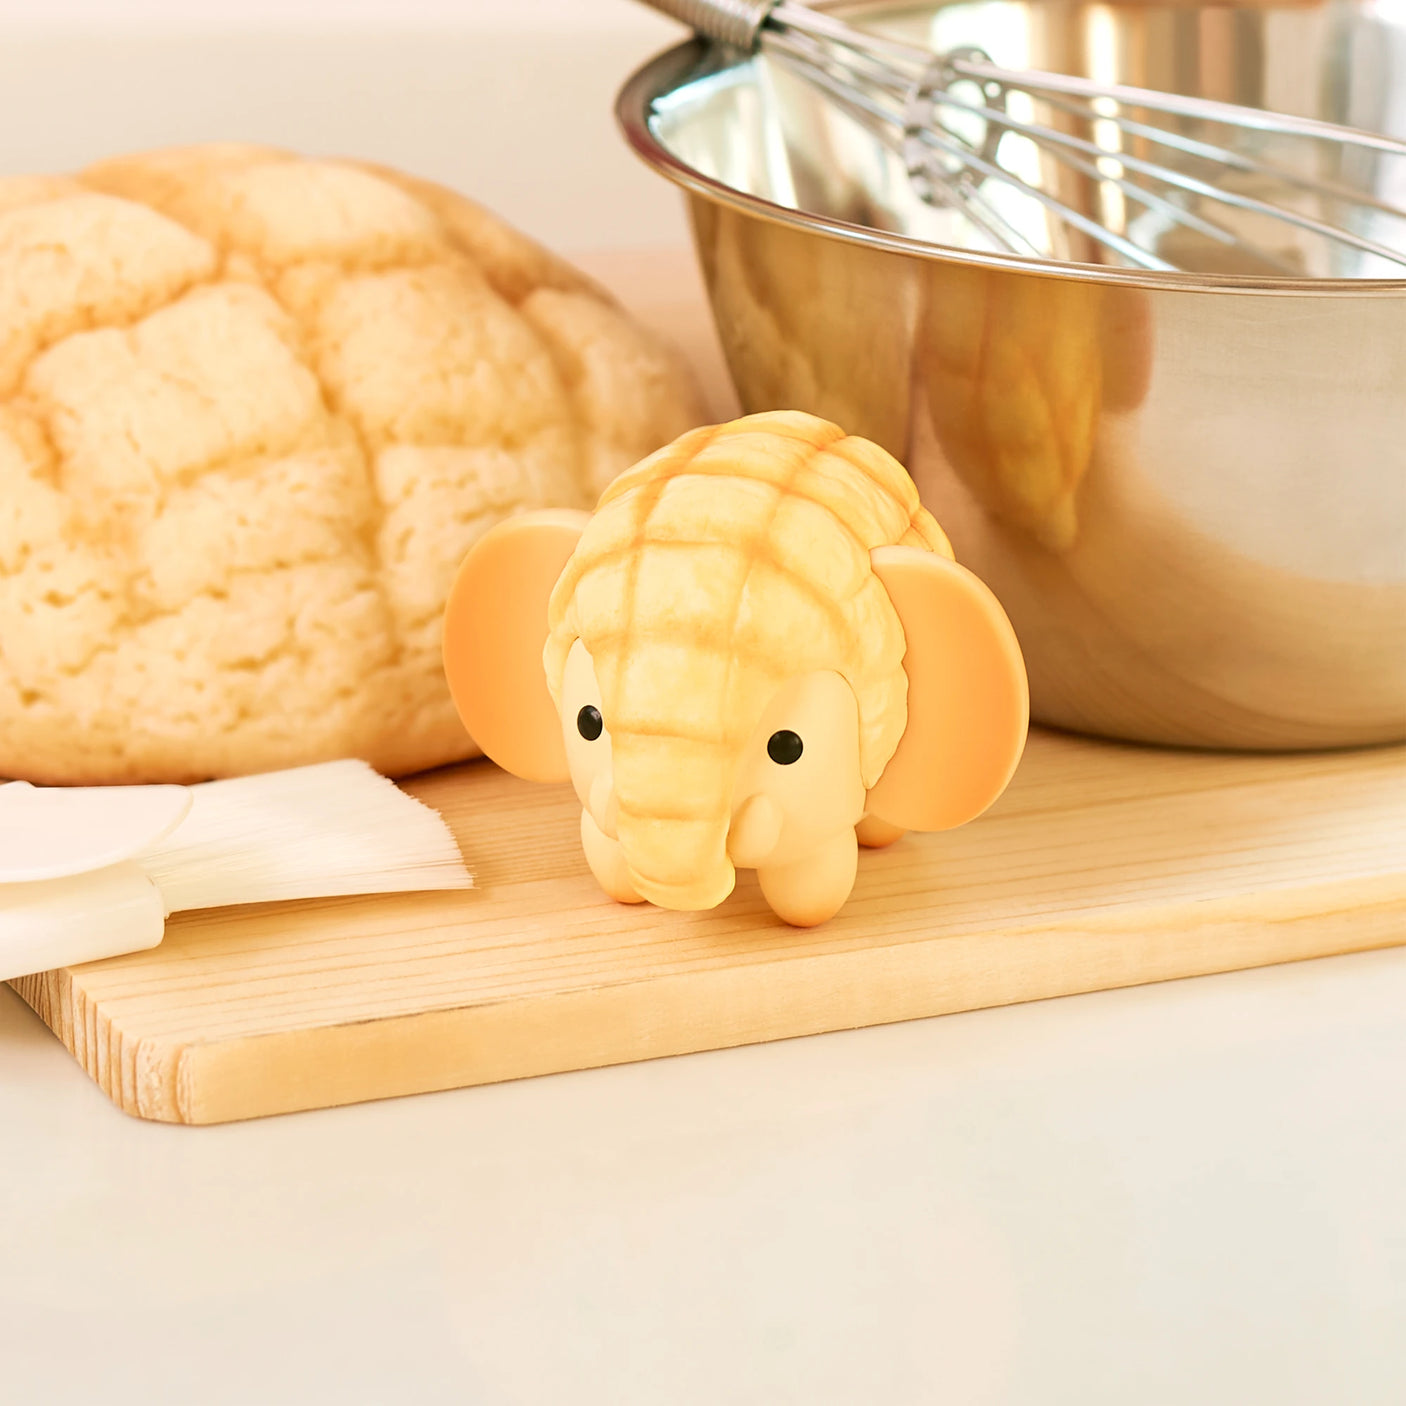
<point x="588" y="723"/>
<point x="784" y="748"/>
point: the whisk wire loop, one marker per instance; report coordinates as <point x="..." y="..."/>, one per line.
<point x="999" y="118"/>
<point x="910" y="100"/>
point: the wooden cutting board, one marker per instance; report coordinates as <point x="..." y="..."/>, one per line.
<point x="1102" y="866"/>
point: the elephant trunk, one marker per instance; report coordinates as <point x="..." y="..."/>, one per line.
<point x="674" y="798"/>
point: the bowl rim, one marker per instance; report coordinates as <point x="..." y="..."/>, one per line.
<point x="666" y="72"/>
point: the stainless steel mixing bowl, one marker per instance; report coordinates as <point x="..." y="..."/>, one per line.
<point x="1189" y="492"/>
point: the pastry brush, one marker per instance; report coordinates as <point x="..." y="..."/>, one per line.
<point x="91" y="872"/>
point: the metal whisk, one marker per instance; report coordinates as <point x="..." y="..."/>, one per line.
<point x="968" y="134"/>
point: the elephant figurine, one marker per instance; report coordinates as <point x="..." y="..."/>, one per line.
<point x="757" y="652"/>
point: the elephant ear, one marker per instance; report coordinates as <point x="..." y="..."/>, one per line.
<point x="495" y="628"/>
<point x="968" y="698"/>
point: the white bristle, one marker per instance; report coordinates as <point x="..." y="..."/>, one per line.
<point x="311" y="832"/>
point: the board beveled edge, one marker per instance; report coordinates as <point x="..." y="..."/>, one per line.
<point x="196" y="1083"/>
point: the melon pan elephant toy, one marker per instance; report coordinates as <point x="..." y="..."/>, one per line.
<point x="756" y="653"/>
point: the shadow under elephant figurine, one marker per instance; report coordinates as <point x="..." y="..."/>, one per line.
<point x="756" y="653"/>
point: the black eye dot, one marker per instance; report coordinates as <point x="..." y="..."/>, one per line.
<point x="784" y="748"/>
<point x="588" y="723"/>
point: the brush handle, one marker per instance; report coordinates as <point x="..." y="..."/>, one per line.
<point x="61" y="922"/>
<point x="735" y="22"/>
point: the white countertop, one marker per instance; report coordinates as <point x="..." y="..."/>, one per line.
<point x="1173" y="1194"/>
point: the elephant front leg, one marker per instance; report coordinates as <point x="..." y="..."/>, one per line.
<point x="813" y="889"/>
<point x="607" y="862"/>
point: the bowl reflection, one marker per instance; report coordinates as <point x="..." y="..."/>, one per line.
<point x="1189" y="491"/>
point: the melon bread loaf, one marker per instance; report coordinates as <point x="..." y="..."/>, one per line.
<point x="254" y="409"/>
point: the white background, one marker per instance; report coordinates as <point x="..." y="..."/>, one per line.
<point x="508" y="100"/>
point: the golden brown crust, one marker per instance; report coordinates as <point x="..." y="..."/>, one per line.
<point x="253" y="411"/>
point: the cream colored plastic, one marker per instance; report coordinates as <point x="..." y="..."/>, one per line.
<point x="68" y="892"/>
<point x="799" y="825"/>
<point x="79" y="918"/>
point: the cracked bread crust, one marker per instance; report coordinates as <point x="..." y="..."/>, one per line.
<point x="253" y="411"/>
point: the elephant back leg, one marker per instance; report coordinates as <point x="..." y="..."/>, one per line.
<point x="813" y="889"/>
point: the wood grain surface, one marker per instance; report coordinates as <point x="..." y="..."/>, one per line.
<point x="1102" y="866"/>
